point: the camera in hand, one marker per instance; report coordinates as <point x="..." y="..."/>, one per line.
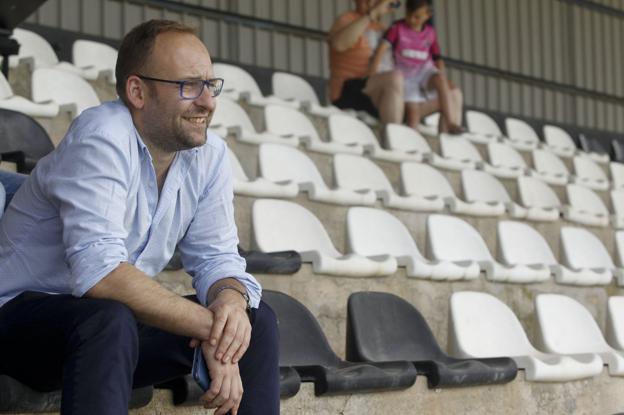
<point x="395" y="4"/>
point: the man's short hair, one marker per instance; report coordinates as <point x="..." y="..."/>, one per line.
<point x="413" y="5"/>
<point x="136" y="48"/>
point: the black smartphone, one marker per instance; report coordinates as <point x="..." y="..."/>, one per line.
<point x="200" y="370"/>
<point x="395" y="4"/>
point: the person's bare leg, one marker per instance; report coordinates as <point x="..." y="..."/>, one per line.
<point x="440" y="84"/>
<point x="428" y="107"/>
<point x="386" y="92"/>
<point x="413" y="114"/>
<point x="458" y="104"/>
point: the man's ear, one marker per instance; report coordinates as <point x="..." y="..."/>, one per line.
<point x="135" y="91"/>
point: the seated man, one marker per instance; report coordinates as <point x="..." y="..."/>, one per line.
<point x="101" y="215"/>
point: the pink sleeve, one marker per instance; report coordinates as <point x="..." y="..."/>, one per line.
<point x="392" y="34"/>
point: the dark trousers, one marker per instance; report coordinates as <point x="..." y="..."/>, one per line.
<point x="97" y="352"/>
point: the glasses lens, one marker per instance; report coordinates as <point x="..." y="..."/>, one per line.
<point x="215" y="86"/>
<point x="191" y="89"/>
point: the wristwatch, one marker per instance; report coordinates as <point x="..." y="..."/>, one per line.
<point x="243" y="293"/>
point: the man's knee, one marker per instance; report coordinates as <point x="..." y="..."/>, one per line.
<point x="110" y="322"/>
<point x="265" y="324"/>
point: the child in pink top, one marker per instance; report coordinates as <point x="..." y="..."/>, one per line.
<point x="416" y="54"/>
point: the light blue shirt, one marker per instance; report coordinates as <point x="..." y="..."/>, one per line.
<point x="93" y="203"/>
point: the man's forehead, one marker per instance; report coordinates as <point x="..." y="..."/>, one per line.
<point x="181" y="54"/>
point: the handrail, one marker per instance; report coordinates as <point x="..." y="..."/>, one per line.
<point x="588" y="4"/>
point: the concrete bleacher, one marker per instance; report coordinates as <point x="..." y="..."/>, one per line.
<point x="326" y="296"/>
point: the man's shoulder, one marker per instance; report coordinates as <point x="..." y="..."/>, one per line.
<point x="109" y="118"/>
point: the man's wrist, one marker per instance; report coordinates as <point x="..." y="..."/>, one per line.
<point x="242" y="293"/>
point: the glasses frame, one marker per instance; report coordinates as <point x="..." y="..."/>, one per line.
<point x="206" y="83"/>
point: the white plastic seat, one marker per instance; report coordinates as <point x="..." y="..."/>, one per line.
<point x="585" y="207"/>
<point x="589" y="174"/>
<point x="13" y="102"/>
<point x="451" y="239"/>
<point x="280" y="225"/>
<point x="617" y="174"/>
<point x="559" y="141"/>
<point x="458" y="154"/>
<point x="38" y="52"/>
<point x="260" y="187"/>
<point x="483" y="129"/>
<point x="291" y="87"/>
<point x="64" y="88"/>
<point x="521" y="134"/>
<point x="229" y="117"/>
<point x="481" y="187"/>
<point x="429" y="125"/>
<point x="425" y="182"/>
<point x="357" y="173"/>
<point x="550" y="168"/>
<point x="520" y="244"/>
<point x="567" y="327"/>
<point x="289" y="122"/>
<point x="409" y="142"/>
<point x="482" y="326"/>
<point x="615" y="322"/>
<point x="506" y="161"/>
<point x="540" y="201"/>
<point x="375" y="233"/>
<point x="617" y="201"/>
<point x="282" y="163"/>
<point x="586" y="256"/>
<point x="95" y="58"/>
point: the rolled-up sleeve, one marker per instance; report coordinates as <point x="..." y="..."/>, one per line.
<point x="210" y="246"/>
<point x="88" y="182"/>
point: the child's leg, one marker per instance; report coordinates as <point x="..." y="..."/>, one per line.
<point x="386" y="92"/>
<point x="413" y="114"/>
<point x="447" y="109"/>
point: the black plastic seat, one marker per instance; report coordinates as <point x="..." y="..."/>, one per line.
<point x="592" y="145"/>
<point x="304" y="347"/>
<point x="17" y="397"/>
<point x="22" y="140"/>
<point x="283" y="262"/>
<point x="383" y="327"/>
<point x="617" y="150"/>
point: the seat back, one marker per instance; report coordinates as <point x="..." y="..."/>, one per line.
<point x="521" y="244"/>
<point x="452" y="239"/>
<point x="236" y="80"/>
<point x="582" y="249"/>
<point x="279" y="163"/>
<point x="33" y="46"/>
<point x="356" y="173"/>
<point x="619" y="248"/>
<point x="19" y="132"/>
<point x="5" y="88"/>
<point x="283" y="226"/>
<point x="423" y="180"/>
<point x="237" y="169"/>
<point x="289" y="86"/>
<point x="480" y="122"/>
<point x="483" y="326"/>
<point x="558" y="137"/>
<point x="586" y="199"/>
<point x="302" y="341"/>
<point x="458" y="148"/>
<point x="587" y="168"/>
<point x="398" y="333"/>
<point x="617" y="200"/>
<point x="63" y="88"/>
<point x="520" y="130"/>
<point x="617" y="174"/>
<point x="229" y="114"/>
<point x="403" y="138"/>
<point x="282" y="120"/>
<point x="432" y="120"/>
<point x="547" y="162"/>
<point x="347" y="129"/>
<point x="96" y="55"/>
<point x="615" y="322"/>
<point x="592" y="145"/>
<point x="618" y="150"/>
<point x="535" y="193"/>
<point x="480" y="186"/>
<point x="503" y="155"/>
<point x="373" y="232"/>
<point x="566" y="326"/>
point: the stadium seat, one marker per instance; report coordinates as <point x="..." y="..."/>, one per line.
<point x="95" y="58"/>
<point x="259" y="187"/>
<point x="589" y="174"/>
<point x="521" y="134"/>
<point x="291" y="87"/>
<point x="481" y="326"/>
<point x="594" y="149"/>
<point x="549" y="168"/>
<point x="357" y="173"/>
<point x="519" y="244"/>
<point x="427" y="183"/>
<point x="481" y="187"/>
<point x="403" y="139"/>
<point x="617" y="201"/>
<point x="376" y="233"/>
<point x="615" y="322"/>
<point x="585" y="207"/>
<point x="429" y="125"/>
<point x="36" y="51"/>
<point x="64" y="88"/>
<point x="506" y="161"/>
<point x="23" y="141"/>
<point x="289" y="122"/>
<point x="304" y="347"/>
<point x="279" y="226"/>
<point x="230" y="117"/>
<point x="617" y="174"/>
<point x="282" y="262"/>
<point x="618" y="150"/>
<point x="583" y="253"/>
<point x="540" y="201"/>
<point x="382" y="327"/>
<point x="619" y="257"/>
<point x="281" y="164"/>
<point x="559" y="141"/>
<point x="13" y="102"/>
<point x="458" y="154"/>
<point x="483" y="129"/>
<point x="452" y="239"/>
<point x="566" y="327"/>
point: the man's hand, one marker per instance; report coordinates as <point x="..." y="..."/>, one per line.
<point x="226" y="388"/>
<point x="231" y="330"/>
<point x="380" y="8"/>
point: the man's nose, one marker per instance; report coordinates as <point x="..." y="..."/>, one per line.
<point x="205" y="99"/>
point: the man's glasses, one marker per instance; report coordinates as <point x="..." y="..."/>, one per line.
<point x="192" y="89"/>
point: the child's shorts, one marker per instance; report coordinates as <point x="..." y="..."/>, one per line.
<point x="415" y="84"/>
